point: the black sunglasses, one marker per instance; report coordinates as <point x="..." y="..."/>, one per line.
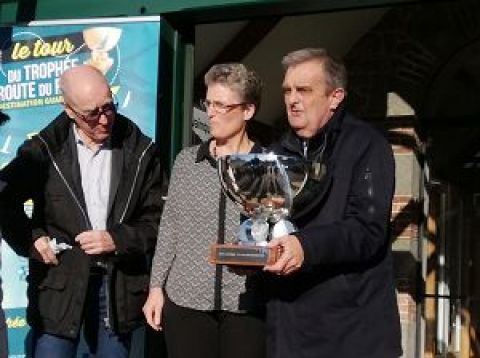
<point x="93" y="115"/>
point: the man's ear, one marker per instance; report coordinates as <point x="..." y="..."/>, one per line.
<point x="68" y="111"/>
<point x="337" y="96"/>
<point x="249" y="111"/>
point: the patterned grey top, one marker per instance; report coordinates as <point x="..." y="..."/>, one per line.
<point x="189" y="225"/>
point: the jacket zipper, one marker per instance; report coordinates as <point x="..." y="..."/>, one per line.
<point x="122" y="217"/>
<point x="85" y="216"/>
<point x="305" y="148"/>
<point x="134" y="181"/>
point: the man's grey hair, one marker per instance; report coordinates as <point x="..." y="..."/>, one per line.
<point x="335" y="71"/>
<point x="239" y="79"/>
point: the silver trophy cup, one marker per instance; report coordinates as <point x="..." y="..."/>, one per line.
<point x="263" y="186"/>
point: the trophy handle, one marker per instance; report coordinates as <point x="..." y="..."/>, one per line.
<point x="281" y="228"/>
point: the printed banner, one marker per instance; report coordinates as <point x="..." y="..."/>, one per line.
<point x="31" y="60"/>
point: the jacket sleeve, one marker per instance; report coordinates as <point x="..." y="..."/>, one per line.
<point x="136" y="233"/>
<point x="21" y="181"/>
<point x="363" y="231"/>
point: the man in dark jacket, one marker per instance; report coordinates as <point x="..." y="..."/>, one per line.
<point x="333" y="294"/>
<point x="95" y="182"/>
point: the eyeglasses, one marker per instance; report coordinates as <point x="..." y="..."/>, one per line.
<point x="93" y="115"/>
<point x="219" y="107"/>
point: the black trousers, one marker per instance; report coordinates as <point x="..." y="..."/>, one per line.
<point x="155" y="343"/>
<point x="219" y="334"/>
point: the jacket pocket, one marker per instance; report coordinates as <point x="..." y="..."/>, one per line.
<point x="52" y="300"/>
<point x="135" y="296"/>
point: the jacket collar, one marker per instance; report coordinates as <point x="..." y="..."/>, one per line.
<point x="203" y="152"/>
<point x="322" y="140"/>
<point x="57" y="132"/>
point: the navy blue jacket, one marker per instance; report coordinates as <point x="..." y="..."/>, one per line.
<point x="342" y="303"/>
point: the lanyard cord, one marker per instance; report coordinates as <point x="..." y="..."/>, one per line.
<point x="220" y="240"/>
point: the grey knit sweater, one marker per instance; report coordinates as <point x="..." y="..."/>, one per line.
<point x="189" y="225"/>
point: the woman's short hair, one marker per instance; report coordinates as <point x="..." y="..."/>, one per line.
<point x="239" y="79"/>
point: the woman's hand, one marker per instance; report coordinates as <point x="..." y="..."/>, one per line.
<point x="152" y="309"/>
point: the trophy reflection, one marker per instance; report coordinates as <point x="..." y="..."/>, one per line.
<point x="263" y="186"/>
<point x="101" y="40"/>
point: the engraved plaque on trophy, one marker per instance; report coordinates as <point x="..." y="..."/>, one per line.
<point x="263" y="186"/>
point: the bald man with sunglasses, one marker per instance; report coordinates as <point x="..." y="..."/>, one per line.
<point x="95" y="181"/>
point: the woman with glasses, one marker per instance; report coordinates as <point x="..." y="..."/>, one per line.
<point x="208" y="311"/>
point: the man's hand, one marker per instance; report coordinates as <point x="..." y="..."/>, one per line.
<point x="95" y="242"/>
<point x="153" y="307"/>
<point x="292" y="256"/>
<point x="42" y="251"/>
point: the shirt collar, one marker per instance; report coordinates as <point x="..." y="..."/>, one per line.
<point x="203" y="152"/>
<point x="292" y="142"/>
<point x="78" y="139"/>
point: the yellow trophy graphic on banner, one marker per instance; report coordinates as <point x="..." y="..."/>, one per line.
<point x="101" y="40"/>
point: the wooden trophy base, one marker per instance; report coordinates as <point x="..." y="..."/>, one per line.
<point x="242" y="255"/>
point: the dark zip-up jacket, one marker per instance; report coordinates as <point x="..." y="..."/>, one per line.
<point x="46" y="170"/>
<point x="342" y="303"/>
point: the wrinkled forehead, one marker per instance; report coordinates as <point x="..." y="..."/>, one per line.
<point x="304" y="75"/>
